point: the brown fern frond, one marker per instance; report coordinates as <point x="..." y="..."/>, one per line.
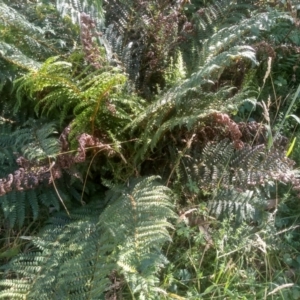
<point x="30" y="175"/>
<point x="87" y="33"/>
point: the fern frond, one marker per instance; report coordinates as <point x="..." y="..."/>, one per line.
<point x="224" y="166"/>
<point x="245" y="206"/>
<point x="73" y="9"/>
<point x="208" y="20"/>
<point x="192" y="97"/>
<point x="10" y="17"/>
<point x="34" y="139"/>
<point x="95" y="97"/>
<point x="23" y="42"/>
<point x="14" y="56"/>
<point x="7" y="149"/>
<point x="37" y="142"/>
<point x="126" y="237"/>
<point x="15" y="205"/>
<point x="26" y="179"/>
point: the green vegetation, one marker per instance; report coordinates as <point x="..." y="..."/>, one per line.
<point x="149" y="149"/>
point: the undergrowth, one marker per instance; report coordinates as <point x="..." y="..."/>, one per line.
<point x="149" y="150"/>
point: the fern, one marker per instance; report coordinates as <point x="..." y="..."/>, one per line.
<point x="130" y="41"/>
<point x="16" y="205"/>
<point x="7" y="148"/>
<point x="224" y="166"/>
<point x="14" y="56"/>
<point x="205" y="22"/>
<point x="240" y="181"/>
<point x="246" y="206"/>
<point x="73" y="8"/>
<point x="190" y="101"/>
<point x="125" y="239"/>
<point x="35" y="139"/>
<point x="36" y="142"/>
<point x="27" y="38"/>
<point x="97" y="97"/>
<point x="32" y="160"/>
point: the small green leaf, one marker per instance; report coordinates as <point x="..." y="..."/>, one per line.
<point x="291" y="147"/>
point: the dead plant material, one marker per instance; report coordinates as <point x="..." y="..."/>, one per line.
<point x="29" y="175"/>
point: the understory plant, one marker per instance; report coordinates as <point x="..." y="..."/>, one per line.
<point x="148" y="150"/>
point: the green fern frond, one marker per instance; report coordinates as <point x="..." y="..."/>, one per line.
<point x="10" y="17"/>
<point x="126" y="238"/>
<point x="23" y="42"/>
<point x="14" y="56"/>
<point x="7" y="149"/>
<point x="192" y="97"/>
<point x="245" y="206"/>
<point x="208" y="20"/>
<point x="240" y="180"/>
<point x="16" y="205"/>
<point x="36" y="141"/>
<point x="224" y="166"/>
<point x="73" y="8"/>
<point x="95" y="97"/>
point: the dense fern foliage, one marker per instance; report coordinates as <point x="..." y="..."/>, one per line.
<point x="87" y="98"/>
<point x="28" y="37"/>
<point x="193" y="99"/>
<point x="124" y="241"/>
<point x="148" y="149"/>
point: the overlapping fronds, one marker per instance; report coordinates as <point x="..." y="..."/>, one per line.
<point x="23" y="42"/>
<point x="74" y="257"/>
<point x="130" y="41"/>
<point x="73" y="9"/>
<point x="34" y="139"/>
<point x="92" y="102"/>
<point x="188" y="103"/>
<point x="39" y="162"/>
<point x="205" y="22"/>
<point x="36" y="142"/>
<point x="241" y="180"/>
<point x="225" y="166"/>
<point x="13" y="21"/>
<point x="194" y="64"/>
<point x="191" y="100"/>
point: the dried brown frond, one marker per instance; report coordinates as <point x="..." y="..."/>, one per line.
<point x="29" y="175"/>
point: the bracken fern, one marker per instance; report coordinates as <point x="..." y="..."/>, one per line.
<point x="73" y="257"/>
